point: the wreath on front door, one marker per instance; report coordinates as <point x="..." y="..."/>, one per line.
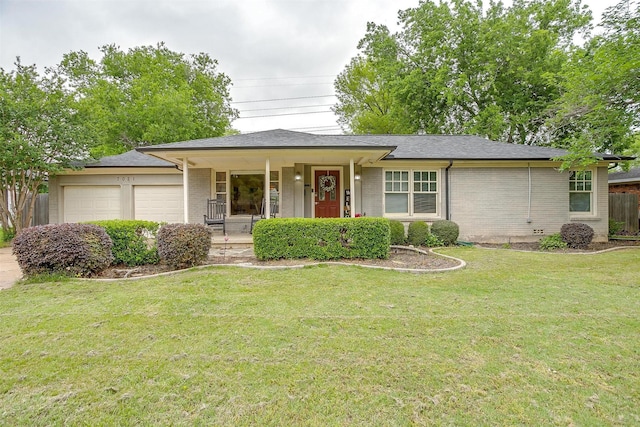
<point x="327" y="183"/>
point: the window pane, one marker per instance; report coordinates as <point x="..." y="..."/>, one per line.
<point x="221" y="176"/>
<point x="405" y="176"/>
<point x="425" y="187"/>
<point x="396" y="176"/>
<point x="274" y="175"/>
<point x="416" y="186"/>
<point x="434" y="187"/>
<point x="580" y="202"/>
<point x="424" y="203"/>
<point x="388" y="175"/>
<point x="587" y="175"/>
<point x="579" y="186"/>
<point x="396" y="186"/>
<point x="221" y="187"/>
<point x="433" y="176"/>
<point x="416" y="176"/>
<point x="396" y="203"/>
<point x="405" y="186"/>
<point x="587" y="186"/>
<point x="388" y="186"/>
<point x="572" y="186"/>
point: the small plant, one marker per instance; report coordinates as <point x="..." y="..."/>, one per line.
<point x="68" y="249"/>
<point x="433" y="241"/>
<point x="615" y="227"/>
<point x="576" y="235"/>
<point x="184" y="245"/>
<point x="417" y="233"/>
<point x="397" y="232"/>
<point x="447" y="231"/>
<point x="554" y="241"/>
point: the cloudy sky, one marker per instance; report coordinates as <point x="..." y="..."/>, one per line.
<point x="273" y="50"/>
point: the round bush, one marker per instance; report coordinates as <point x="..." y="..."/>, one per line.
<point x="183" y="245"/>
<point x="397" y="232"/>
<point x="576" y="235"/>
<point x="445" y="230"/>
<point x="71" y="249"/>
<point x="417" y="233"/>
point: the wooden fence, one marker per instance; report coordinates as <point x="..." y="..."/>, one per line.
<point x="41" y="210"/>
<point x="623" y="207"/>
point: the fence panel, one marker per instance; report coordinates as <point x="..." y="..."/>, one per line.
<point x="623" y="207"/>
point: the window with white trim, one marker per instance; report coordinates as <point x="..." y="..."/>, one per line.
<point x="581" y="191"/>
<point x="410" y="192"/>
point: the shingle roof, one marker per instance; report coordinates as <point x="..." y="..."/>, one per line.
<point x="630" y="176"/>
<point x="408" y="147"/>
<point x="131" y="158"/>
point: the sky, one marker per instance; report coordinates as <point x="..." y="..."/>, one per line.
<point x="282" y="56"/>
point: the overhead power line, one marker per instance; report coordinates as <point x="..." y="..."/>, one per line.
<point x="281" y="99"/>
<point x="284" y="84"/>
<point x="285" y="114"/>
<point x="287" y="108"/>
<point x="286" y="78"/>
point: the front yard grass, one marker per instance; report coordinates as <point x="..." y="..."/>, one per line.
<point x="515" y="338"/>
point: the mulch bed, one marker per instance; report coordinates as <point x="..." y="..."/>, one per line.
<point x="399" y="259"/>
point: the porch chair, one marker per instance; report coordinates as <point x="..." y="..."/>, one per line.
<point x="216" y="214"/>
<point x="255" y="218"/>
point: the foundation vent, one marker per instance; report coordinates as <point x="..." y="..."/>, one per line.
<point x="538" y="232"/>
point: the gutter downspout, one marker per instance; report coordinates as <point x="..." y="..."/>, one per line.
<point x="529" y="220"/>
<point x="447" y="193"/>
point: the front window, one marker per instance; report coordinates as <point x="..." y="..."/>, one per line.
<point x="410" y="192"/>
<point x="580" y="191"/>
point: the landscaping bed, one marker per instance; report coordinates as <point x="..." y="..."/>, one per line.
<point x="399" y="258"/>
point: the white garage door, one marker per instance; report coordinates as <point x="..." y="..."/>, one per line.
<point x="158" y="203"/>
<point x="90" y="203"/>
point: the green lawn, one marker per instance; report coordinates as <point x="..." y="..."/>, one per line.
<point x="513" y="339"/>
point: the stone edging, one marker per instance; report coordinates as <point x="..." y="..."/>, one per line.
<point x="461" y="265"/>
<point x="560" y="253"/>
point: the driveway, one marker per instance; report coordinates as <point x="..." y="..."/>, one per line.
<point x="9" y="270"/>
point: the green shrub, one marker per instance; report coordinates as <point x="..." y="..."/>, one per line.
<point x="70" y="249"/>
<point x="417" y="233"/>
<point x="7" y="235"/>
<point x="445" y="230"/>
<point x="322" y="238"/>
<point x="397" y="232"/>
<point x="554" y="241"/>
<point x="615" y="227"/>
<point x="184" y="245"/>
<point x="133" y="241"/>
<point x="433" y="241"/>
<point x="576" y="235"/>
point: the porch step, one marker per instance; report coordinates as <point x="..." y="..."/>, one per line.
<point x="234" y="241"/>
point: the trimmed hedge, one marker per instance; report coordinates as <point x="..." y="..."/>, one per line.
<point x="322" y="238"/>
<point x="133" y="240"/>
<point x="445" y="230"/>
<point x="69" y="249"/>
<point x="397" y="232"/>
<point x="184" y="245"/>
<point x="417" y="233"/>
<point x="577" y="235"/>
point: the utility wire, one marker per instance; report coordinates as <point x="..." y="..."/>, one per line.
<point x="287" y="108"/>
<point x="285" y="114"/>
<point x="281" y="99"/>
<point x="286" y="78"/>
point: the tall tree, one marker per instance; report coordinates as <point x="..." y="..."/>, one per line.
<point x="599" y="109"/>
<point x="148" y="95"/>
<point x="40" y="134"/>
<point x="457" y="67"/>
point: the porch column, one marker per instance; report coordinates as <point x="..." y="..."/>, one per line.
<point x="267" y="188"/>
<point x="185" y="188"/>
<point x="352" y="186"/>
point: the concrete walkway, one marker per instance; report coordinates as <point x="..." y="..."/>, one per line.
<point x="9" y="270"/>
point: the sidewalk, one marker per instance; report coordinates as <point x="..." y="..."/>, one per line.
<point x="9" y="270"/>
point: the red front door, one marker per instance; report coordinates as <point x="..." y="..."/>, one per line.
<point x="327" y="195"/>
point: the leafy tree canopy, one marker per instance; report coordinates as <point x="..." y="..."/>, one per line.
<point x="599" y="109"/>
<point x="40" y="134"/>
<point x="459" y="67"/>
<point x="148" y="95"/>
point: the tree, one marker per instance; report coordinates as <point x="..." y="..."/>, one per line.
<point x="458" y="68"/>
<point x="40" y="134"/>
<point x="148" y="95"/>
<point x="599" y="110"/>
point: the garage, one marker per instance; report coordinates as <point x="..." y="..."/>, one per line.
<point x="91" y="203"/>
<point x="161" y="203"/>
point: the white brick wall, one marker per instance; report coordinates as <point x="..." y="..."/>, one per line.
<point x="199" y="192"/>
